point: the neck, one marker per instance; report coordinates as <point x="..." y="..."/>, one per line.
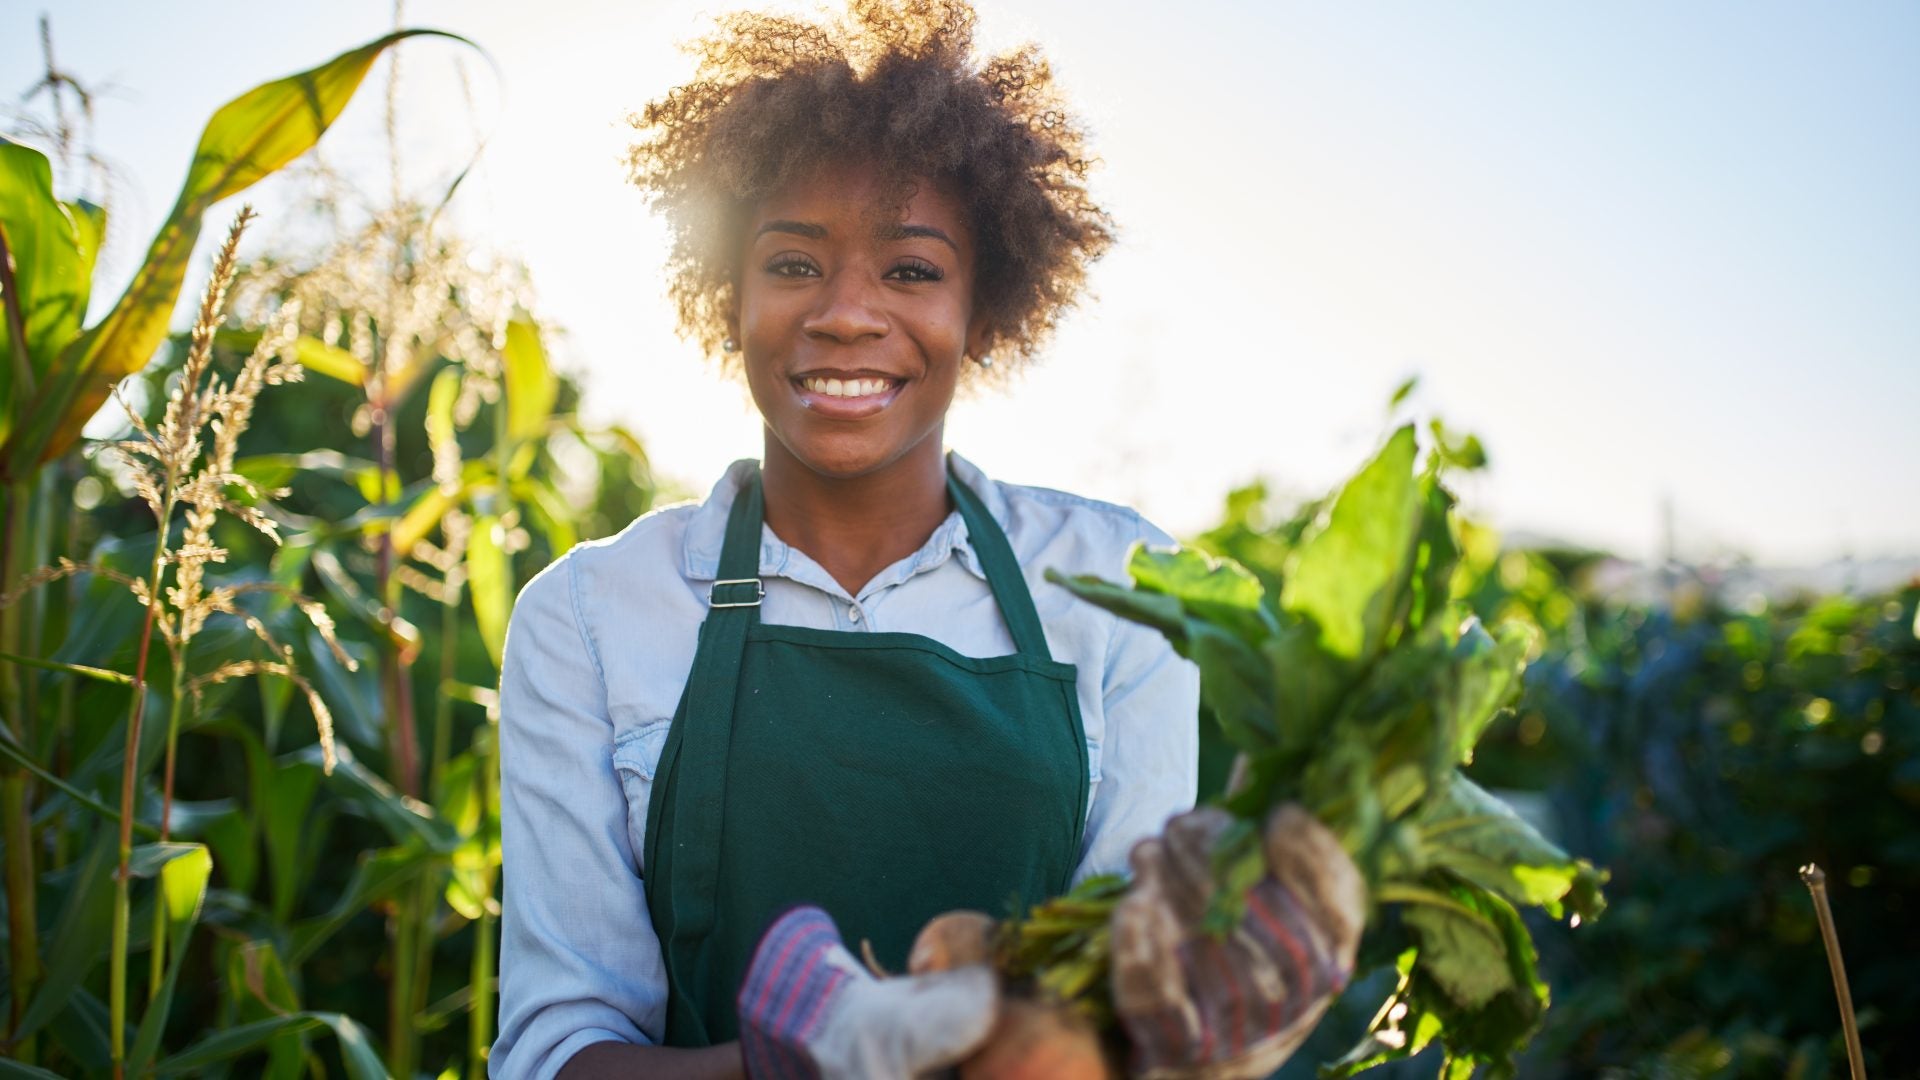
<point x="855" y="527"/>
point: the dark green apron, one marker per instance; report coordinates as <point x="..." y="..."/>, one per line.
<point x="881" y="776"/>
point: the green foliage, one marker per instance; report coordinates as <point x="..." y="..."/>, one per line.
<point x="248" y="138"/>
<point x="1357" y="689"/>
<point x="1704" y="753"/>
<point x="1701" y="752"/>
<point x="52" y="245"/>
<point x="324" y="890"/>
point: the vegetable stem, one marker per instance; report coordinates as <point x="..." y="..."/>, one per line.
<point x="1401" y="893"/>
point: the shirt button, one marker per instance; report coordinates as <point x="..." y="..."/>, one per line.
<point x="853" y="613"/>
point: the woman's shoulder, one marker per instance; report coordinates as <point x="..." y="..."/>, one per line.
<point x="1082" y="512"/>
<point x="647" y="554"/>
<point x="1061" y="529"/>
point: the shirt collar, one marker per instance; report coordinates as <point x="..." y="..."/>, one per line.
<point x="707" y="532"/>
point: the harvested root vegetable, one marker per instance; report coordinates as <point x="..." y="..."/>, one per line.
<point x="1038" y="1040"/>
<point x="953" y="940"/>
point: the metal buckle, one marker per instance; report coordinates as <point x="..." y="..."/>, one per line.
<point x="760" y="590"/>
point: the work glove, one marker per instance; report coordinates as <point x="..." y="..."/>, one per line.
<point x="1197" y="1006"/>
<point x="808" y="1009"/>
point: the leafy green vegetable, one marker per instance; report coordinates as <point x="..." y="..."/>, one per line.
<point x="1356" y="686"/>
<point x="1351" y="575"/>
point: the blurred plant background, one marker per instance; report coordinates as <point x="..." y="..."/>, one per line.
<point x="195" y="885"/>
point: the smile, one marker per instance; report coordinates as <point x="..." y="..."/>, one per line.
<point x="847" y="398"/>
<point x="847" y="388"/>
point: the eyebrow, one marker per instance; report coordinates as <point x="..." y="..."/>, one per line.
<point x="890" y="232"/>
<point x="903" y="232"/>
<point x="797" y="228"/>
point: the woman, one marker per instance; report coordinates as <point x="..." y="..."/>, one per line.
<point x="839" y="694"/>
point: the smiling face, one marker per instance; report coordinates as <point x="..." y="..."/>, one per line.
<point x="854" y="320"/>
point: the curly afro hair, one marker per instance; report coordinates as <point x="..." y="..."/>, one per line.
<point x="895" y="83"/>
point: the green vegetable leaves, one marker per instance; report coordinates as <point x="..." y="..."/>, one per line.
<point x="1470" y="981"/>
<point x="1348" y="577"/>
<point x="1212" y="611"/>
<point x="1479" y="838"/>
<point x="1358" y="688"/>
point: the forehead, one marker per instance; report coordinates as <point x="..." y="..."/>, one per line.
<point x="862" y="200"/>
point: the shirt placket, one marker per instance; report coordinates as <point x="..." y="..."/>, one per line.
<point x="850" y="613"/>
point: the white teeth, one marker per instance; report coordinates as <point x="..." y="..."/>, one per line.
<point x="845" y="387"/>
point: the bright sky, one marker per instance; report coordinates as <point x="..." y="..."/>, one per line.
<point x="1647" y="251"/>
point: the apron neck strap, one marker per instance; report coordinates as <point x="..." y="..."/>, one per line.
<point x="1009" y="585"/>
<point x="739" y="587"/>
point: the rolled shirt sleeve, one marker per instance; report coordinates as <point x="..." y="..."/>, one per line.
<point x="1150" y="759"/>
<point x="579" y="961"/>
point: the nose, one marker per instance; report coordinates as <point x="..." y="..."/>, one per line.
<point x="848" y="310"/>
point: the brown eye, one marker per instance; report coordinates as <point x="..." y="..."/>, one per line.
<point x="915" y="270"/>
<point x="791" y="264"/>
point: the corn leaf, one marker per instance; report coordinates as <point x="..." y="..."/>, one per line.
<point x="442" y="432"/>
<point x="81" y="1031"/>
<point x="284" y="803"/>
<point x="378" y="875"/>
<point x="531" y="385"/>
<point x="250" y="137"/>
<point x="258" y="987"/>
<point x="52" y="255"/>
<point x="183" y="889"/>
<point x="406" y="820"/>
<point x="356" y="1049"/>
<point x="549" y="512"/>
<point x="235" y="840"/>
<point x="487" y="583"/>
<point x="309" y="352"/>
<point x="74" y="951"/>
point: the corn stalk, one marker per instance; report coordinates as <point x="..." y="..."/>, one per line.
<point x="15" y="794"/>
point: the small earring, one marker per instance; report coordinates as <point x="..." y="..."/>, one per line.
<point x="986" y="361"/>
<point x="729" y="345"/>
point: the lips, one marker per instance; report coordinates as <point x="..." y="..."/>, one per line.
<point x="847" y="395"/>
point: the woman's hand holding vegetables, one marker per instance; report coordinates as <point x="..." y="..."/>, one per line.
<point x="809" y="1009"/>
<point x="1195" y="1005"/>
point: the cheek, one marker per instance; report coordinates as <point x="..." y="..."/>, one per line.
<point x="944" y="331"/>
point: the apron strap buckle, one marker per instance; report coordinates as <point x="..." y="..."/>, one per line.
<point x="713" y="593"/>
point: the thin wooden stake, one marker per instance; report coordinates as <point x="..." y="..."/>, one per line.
<point x="1816" y="882"/>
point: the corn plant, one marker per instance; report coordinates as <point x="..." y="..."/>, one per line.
<point x="386" y="304"/>
<point x="57" y="372"/>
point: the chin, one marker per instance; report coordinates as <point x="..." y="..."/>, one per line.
<point x="842" y="459"/>
<point x="849" y="455"/>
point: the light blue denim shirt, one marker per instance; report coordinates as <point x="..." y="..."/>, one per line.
<point x="597" y="655"/>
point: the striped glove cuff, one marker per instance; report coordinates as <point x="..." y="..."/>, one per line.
<point x="798" y="970"/>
